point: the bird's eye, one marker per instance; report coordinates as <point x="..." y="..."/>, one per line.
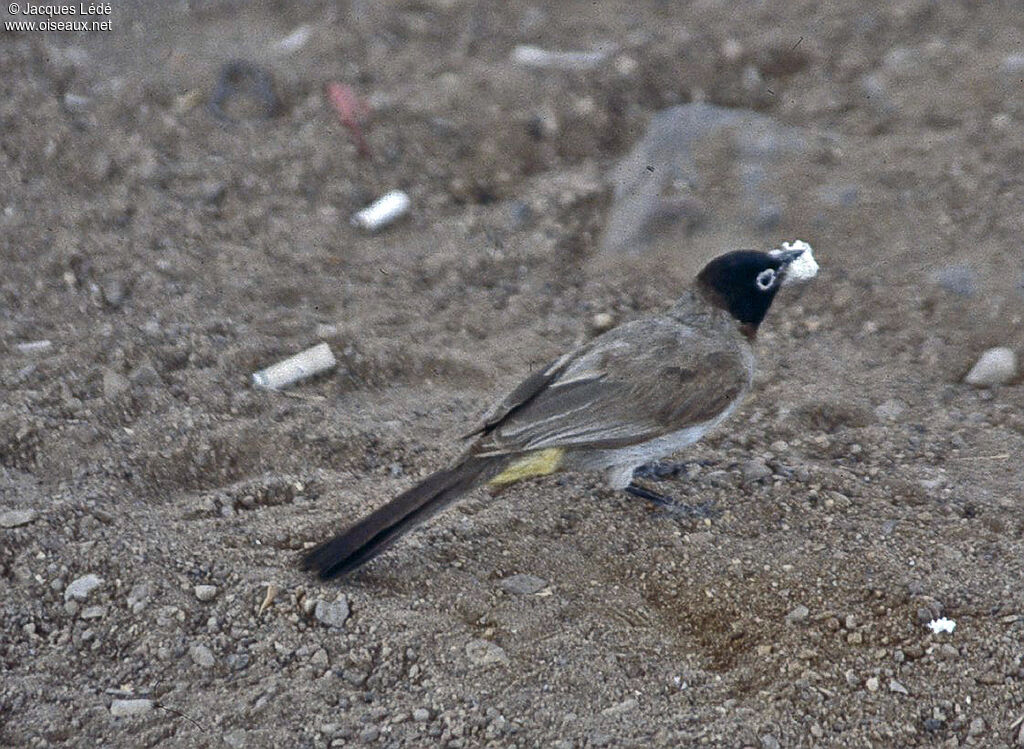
<point x="765" y="279"/>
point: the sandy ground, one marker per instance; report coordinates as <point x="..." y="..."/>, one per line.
<point x="861" y="492"/>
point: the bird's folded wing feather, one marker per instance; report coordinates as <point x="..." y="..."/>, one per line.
<point x="641" y="381"/>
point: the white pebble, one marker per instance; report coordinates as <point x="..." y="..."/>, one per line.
<point x="383" y="211"/>
<point x="205" y="592"/>
<point x="80" y="588"/>
<point x="997" y="366"/>
<point x="312" y="361"/>
<point x="128" y="708"/>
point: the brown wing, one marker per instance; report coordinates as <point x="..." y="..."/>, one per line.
<point x="637" y="382"/>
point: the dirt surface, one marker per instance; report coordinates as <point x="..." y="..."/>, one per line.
<point x="861" y="492"/>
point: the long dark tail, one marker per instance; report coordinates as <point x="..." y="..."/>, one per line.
<point x="385" y="525"/>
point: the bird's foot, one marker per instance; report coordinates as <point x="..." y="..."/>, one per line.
<point x="660" y="470"/>
<point x="702" y="511"/>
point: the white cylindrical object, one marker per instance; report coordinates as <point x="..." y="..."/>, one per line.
<point x="536" y="57"/>
<point x="383" y="211"/>
<point x="312" y="361"/>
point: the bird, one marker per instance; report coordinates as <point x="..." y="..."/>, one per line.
<point x="635" y="394"/>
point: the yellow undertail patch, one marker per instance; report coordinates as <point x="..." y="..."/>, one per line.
<point x="539" y="463"/>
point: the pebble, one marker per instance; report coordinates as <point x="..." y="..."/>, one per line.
<point x="602" y="321"/>
<point x="93" y="612"/>
<point x="485" y="652"/>
<point x="333" y="614"/>
<point x="623" y="707"/>
<point x="977" y="727"/>
<point x="205" y="592"/>
<point x="959" y="279"/>
<point x="421" y="715"/>
<point x="895" y="686"/>
<point x="17" y="518"/>
<point x="128" y="708"/>
<point x="369" y="735"/>
<point x="81" y="587"/>
<point x="997" y="366"/>
<point x="114" y="384"/>
<point x="872" y="684"/>
<point x="202" y="656"/>
<point x="756" y="469"/>
<point x="798" y="614"/>
<point x="523" y="585"/>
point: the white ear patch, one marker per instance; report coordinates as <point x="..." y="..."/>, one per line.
<point x="804" y="267"/>
<point x="765" y="279"/>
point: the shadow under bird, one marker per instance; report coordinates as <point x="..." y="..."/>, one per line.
<point x="635" y="394"/>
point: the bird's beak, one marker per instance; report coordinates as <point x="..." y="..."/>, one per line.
<point x="788" y="256"/>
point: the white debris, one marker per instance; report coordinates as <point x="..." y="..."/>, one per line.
<point x="942" y="625"/>
<point x="294" y="41"/>
<point x="997" y="366"/>
<point x="312" y="361"/>
<point x="804" y="267"/>
<point x="383" y="211"/>
<point x="535" y="57"/>
<point x="34" y="347"/>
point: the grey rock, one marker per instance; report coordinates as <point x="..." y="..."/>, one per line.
<point x="237" y="739"/>
<point x="202" y="656"/>
<point x="622" y="707"/>
<point x="138" y="597"/>
<point x="977" y="727"/>
<point x="205" y="592"/>
<point x="755" y="470"/>
<point x="959" y="279"/>
<point x="421" y="715"/>
<point x="81" y="587"/>
<point x="657" y="185"/>
<point x="770" y="742"/>
<point x="872" y="684"/>
<point x="798" y="614"/>
<point x="114" y="384"/>
<point x="333" y="614"/>
<point x="997" y="366"/>
<point x="93" y="612"/>
<point x="523" y="585"/>
<point x="369" y="735"/>
<point x="130" y="708"/>
<point x="895" y="686"/>
<point x="17" y="518"/>
<point x="485" y="653"/>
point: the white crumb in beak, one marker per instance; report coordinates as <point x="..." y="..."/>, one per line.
<point x="942" y="625"/>
<point x="804" y="267"/>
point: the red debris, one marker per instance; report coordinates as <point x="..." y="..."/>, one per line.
<point x="352" y="111"/>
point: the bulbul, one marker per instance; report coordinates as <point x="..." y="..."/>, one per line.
<point x="635" y="394"/>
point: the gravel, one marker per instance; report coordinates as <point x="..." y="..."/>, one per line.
<point x="80" y="588"/>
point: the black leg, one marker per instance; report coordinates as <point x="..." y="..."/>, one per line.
<point x="668" y="505"/>
<point x="644" y="493"/>
<point x="661" y="470"/>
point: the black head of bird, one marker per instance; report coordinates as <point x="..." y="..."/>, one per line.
<point x="745" y="282"/>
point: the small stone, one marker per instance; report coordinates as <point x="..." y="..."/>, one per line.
<point x="421" y="715"/>
<point x="17" y="518"/>
<point x="798" y="614"/>
<point x="320" y="658"/>
<point x="755" y="470"/>
<point x="202" y="656"/>
<point x="890" y="410"/>
<point x="872" y="684"/>
<point x="959" y="279"/>
<point x="80" y="588"/>
<point x="997" y="366"/>
<point x="895" y="686"/>
<point x="850" y="622"/>
<point x="602" y="321"/>
<point x="237" y="739"/>
<point x="949" y="652"/>
<point x="333" y="614"/>
<point x="369" y="735"/>
<point x="1020" y="735"/>
<point x="623" y="707"/>
<point x="977" y="727"/>
<point x="93" y="612"/>
<point x="770" y="742"/>
<point x="129" y="708"/>
<point x="205" y="592"/>
<point x="114" y="384"/>
<point x="485" y="653"/>
<point x="523" y="585"/>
